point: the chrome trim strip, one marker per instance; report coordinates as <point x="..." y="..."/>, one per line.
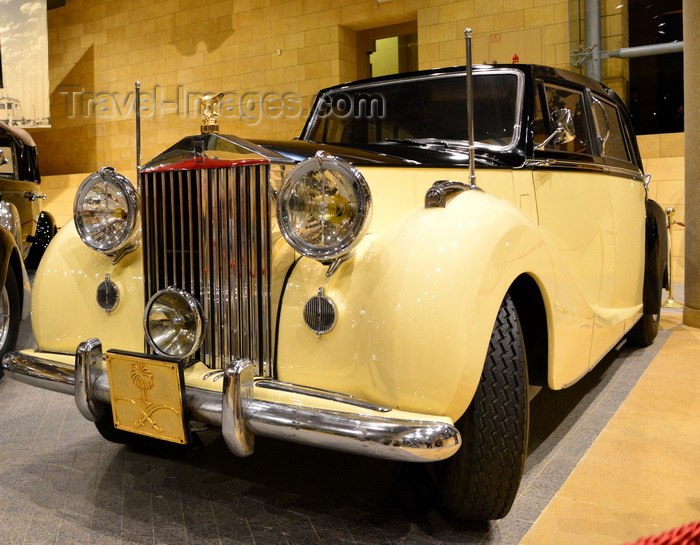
<point x="321" y="394"/>
<point x="582" y="165"/>
<point x="243" y="263"/>
<point x="234" y="269"/>
<point x="205" y="268"/>
<point x="190" y="228"/>
<point x="181" y="221"/>
<point x="162" y="221"/>
<point x="87" y="357"/>
<point x="369" y="435"/>
<point x="148" y="225"/>
<point x="216" y="261"/>
<point x="173" y="258"/>
<point x="254" y="288"/>
<point x="228" y="263"/>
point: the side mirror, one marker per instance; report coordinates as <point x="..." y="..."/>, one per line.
<point x="564" y="129"/>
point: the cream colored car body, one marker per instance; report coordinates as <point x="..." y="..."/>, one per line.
<point x="417" y="302"/>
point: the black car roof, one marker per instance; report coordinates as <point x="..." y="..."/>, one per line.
<point x="533" y="70"/>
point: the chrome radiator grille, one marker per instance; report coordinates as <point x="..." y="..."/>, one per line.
<point x="207" y="231"/>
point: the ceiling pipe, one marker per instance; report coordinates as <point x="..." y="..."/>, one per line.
<point x="644" y="50"/>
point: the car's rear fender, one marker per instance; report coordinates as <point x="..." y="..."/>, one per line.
<point x="656" y="263"/>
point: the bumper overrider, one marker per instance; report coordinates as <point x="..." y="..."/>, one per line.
<point x="299" y="414"/>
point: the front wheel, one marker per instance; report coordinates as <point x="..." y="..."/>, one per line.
<point x="10" y="315"/>
<point x="481" y="480"/>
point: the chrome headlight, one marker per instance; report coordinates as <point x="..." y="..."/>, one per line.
<point x="324" y="207"/>
<point x="106" y="211"/>
<point x="9" y="219"/>
<point x="173" y="323"/>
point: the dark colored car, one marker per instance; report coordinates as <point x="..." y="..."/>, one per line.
<point x="25" y="231"/>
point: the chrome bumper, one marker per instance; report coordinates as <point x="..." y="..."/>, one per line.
<point x="240" y="416"/>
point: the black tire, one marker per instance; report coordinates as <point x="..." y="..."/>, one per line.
<point x="481" y="480"/>
<point x="644" y="331"/>
<point x="10" y="315"/>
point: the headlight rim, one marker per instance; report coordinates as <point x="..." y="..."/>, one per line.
<point x="193" y="304"/>
<point x="133" y="210"/>
<point x="323" y="161"/>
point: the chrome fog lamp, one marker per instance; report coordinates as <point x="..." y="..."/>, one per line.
<point x="173" y="323"/>
<point x="324" y="207"/>
<point x="106" y="211"/>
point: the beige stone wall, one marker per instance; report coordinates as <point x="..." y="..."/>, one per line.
<point x="664" y="158"/>
<point x="441" y="29"/>
<point x="101" y="47"/>
<point x="97" y="49"/>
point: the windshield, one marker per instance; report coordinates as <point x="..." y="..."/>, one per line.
<point x="421" y="109"/>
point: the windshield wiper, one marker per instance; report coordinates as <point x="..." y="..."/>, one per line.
<point x="427" y="141"/>
<point x="447" y="145"/>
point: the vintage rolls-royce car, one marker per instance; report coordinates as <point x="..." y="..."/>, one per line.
<point x="25" y="231"/>
<point x="358" y="288"/>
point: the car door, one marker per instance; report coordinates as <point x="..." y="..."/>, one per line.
<point x="627" y="197"/>
<point x="575" y="211"/>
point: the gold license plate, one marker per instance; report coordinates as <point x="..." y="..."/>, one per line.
<point x="147" y="396"/>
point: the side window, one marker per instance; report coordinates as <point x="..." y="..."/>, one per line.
<point x="614" y="146"/>
<point x="541" y="129"/>
<point x="559" y="98"/>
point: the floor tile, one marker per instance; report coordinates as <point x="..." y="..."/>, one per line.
<point x="61" y="482"/>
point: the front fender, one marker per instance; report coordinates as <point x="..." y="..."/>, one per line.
<point x="64" y="306"/>
<point x="417" y="306"/>
<point x="11" y="259"/>
<point x="7" y="244"/>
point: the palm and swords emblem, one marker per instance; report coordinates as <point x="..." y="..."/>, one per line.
<point x="142" y="378"/>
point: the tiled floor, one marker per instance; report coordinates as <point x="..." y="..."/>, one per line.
<point x="60" y="482"/>
<point x="642" y="474"/>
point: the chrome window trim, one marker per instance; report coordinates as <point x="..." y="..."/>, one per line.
<point x="582" y="165"/>
<point x="620" y="124"/>
<point x="479" y="70"/>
